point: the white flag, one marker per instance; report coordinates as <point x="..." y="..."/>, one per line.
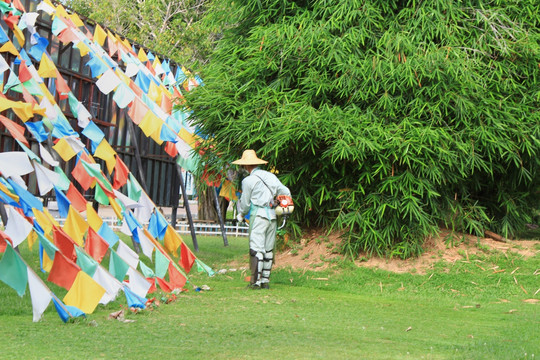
<point x="138" y="283"/>
<point x="46" y="178"/>
<point x="39" y="293"/>
<point x="146" y="245"/>
<point x="17" y="227"/>
<point x="128" y="255"/>
<point x="111" y="285"/>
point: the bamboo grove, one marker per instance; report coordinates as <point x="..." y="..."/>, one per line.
<point x="387" y="119"/>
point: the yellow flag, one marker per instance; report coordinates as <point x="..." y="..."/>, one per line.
<point x="156" y="135"/>
<point x="76" y="20"/>
<point x="32" y="237"/>
<point x="85" y="293"/>
<point x="171" y="241"/>
<point x="63" y="149"/>
<point x="23" y="110"/>
<point x="51" y="218"/>
<point x="187" y="137"/>
<point x="228" y="190"/>
<point x="75" y="226"/>
<point x="106" y="152"/>
<point x="154" y="93"/>
<point x="61" y="11"/>
<point x="19" y="35"/>
<point x="47" y="262"/>
<point x="8" y="193"/>
<point x="150" y="123"/>
<point x="116" y="208"/>
<point x="43" y="221"/>
<point x="142" y="55"/>
<point x="93" y="218"/>
<point x="47" y="93"/>
<point x="47" y="69"/>
<point x="83" y="49"/>
<point x="100" y="35"/>
<point x="9" y="47"/>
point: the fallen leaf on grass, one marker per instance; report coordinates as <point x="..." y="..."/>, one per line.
<point x="409" y="328"/>
<point x="511" y="311"/>
<point x="531" y="301"/>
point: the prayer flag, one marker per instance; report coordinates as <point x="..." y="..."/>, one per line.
<point x="146" y="271"/>
<point x="109" y="283"/>
<point x="40" y="295"/>
<point x="187" y="258"/>
<point x="95" y="245"/>
<point x="108" y="234"/>
<point x="121" y="173"/>
<point x="117" y="267"/>
<point x="171" y="241"/>
<point x="127" y="254"/>
<point x="162" y="264"/>
<point x="85" y="293"/>
<point x="93" y="219"/>
<point x="75" y="226"/>
<point x="62" y="202"/>
<point x="66" y="311"/>
<point x="17" y="228"/>
<point x="14" y="163"/>
<point x="63" y="148"/>
<point x="133" y="299"/>
<point x="80" y="174"/>
<point x="100" y="35"/>
<point x="47" y="69"/>
<point x="13" y="271"/>
<point x="108" y="82"/>
<point x="45" y="178"/>
<point x="106" y="152"/>
<point x="138" y="283"/>
<point x="164" y="285"/>
<point x="75" y="197"/>
<point x="85" y="262"/>
<point x="63" y="272"/>
<point x="176" y="278"/>
<point x="64" y="243"/>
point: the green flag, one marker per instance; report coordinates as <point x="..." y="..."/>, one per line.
<point x="162" y="264"/>
<point x="117" y="267"/>
<point x="13" y="270"/>
<point x="147" y="272"/>
<point x="63" y="182"/>
<point x="49" y="247"/>
<point x="134" y="189"/>
<point x="100" y="196"/>
<point x="85" y="262"/>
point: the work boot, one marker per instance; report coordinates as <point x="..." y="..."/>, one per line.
<point x="265" y="286"/>
<point x="253" y="287"/>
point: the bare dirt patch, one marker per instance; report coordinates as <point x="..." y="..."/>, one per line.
<point x="317" y="251"/>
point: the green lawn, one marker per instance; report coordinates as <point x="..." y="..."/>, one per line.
<point x="459" y="311"/>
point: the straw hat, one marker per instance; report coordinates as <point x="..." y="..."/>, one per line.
<point x="249" y="158"/>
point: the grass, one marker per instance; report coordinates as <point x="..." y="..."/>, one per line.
<point x="461" y="310"/>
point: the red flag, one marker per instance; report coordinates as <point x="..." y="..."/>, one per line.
<point x="176" y="279"/>
<point x="63" y="271"/>
<point x="62" y="88"/>
<point x="164" y="285"/>
<point x="64" y="243"/>
<point x="121" y="173"/>
<point x="16" y="130"/>
<point x="81" y="175"/>
<point x="11" y="20"/>
<point x="148" y="66"/>
<point x="171" y="149"/>
<point x="153" y="286"/>
<point x="75" y="197"/>
<point x="95" y="245"/>
<point x="24" y="73"/>
<point x="187" y="258"/>
<point x="4" y="238"/>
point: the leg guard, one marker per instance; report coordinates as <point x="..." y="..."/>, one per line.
<point x="267" y="267"/>
<point x="256" y="266"/>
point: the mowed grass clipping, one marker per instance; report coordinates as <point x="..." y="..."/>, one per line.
<point x="461" y="310"/>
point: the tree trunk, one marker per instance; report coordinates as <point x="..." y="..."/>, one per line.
<point x="207" y="207"/>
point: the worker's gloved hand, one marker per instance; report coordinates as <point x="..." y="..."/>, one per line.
<point x="240" y="218"/>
